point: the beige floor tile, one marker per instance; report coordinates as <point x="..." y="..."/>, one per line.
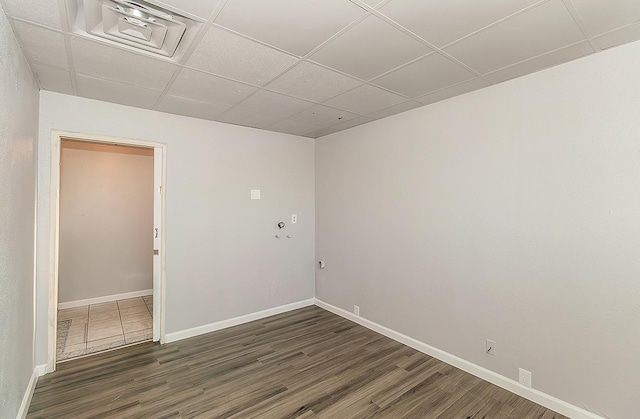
<point x="135" y="326"/>
<point x="73" y="313"/>
<point x="104" y="315"/>
<point x="138" y="336"/>
<point x="110" y="306"/>
<point x="131" y="302"/>
<point x="72" y="351"/>
<point x="105" y="343"/>
<point x="136" y="309"/>
<point x="106" y="323"/>
<point x="104" y="332"/>
<point x="135" y="317"/>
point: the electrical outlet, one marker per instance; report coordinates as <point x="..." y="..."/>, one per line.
<point x="294" y="219"/>
<point x="356" y="310"/>
<point x="524" y="377"/>
<point x="491" y="347"/>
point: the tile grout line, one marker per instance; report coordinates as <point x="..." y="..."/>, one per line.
<point x="124" y="339"/>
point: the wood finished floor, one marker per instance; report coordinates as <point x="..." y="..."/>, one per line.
<point x="307" y="363"/>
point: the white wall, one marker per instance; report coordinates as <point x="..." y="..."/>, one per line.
<point x="106" y="220"/>
<point x="222" y="259"/>
<point x="18" y="130"/>
<point x="511" y="213"/>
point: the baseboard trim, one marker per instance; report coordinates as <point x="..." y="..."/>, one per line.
<point x="508" y="384"/>
<point x="212" y="327"/>
<point x="105" y="299"/>
<point x="28" y="394"/>
<point x="41" y="369"/>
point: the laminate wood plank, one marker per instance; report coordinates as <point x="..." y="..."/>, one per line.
<point x="306" y="364"/>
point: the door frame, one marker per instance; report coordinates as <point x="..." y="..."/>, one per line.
<point x="159" y="285"/>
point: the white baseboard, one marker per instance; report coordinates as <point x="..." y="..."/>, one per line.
<point x="105" y="299"/>
<point x="535" y="396"/>
<point x="212" y="327"/>
<point x="41" y="369"/>
<point x="28" y="394"/>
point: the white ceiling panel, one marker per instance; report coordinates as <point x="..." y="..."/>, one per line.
<point x="352" y="123"/>
<point x="395" y="109"/>
<point x="621" y="36"/>
<point x="204" y="87"/>
<point x="188" y="107"/>
<point x="365" y="99"/>
<point x="44" y="12"/>
<point x="224" y="53"/>
<point x="289" y="126"/>
<point x="431" y="73"/>
<point x="248" y="118"/>
<point x="458" y="89"/>
<point x="442" y="22"/>
<point x="369" y="49"/>
<point x="42" y="45"/>
<point x="199" y="8"/>
<point x="271" y="103"/>
<point x="602" y="16"/>
<point x="542" y="29"/>
<point x="312" y="82"/>
<point x="53" y="79"/>
<point x="292" y="25"/>
<point x="116" y="92"/>
<point x="543" y="61"/>
<point x="322" y="132"/>
<point x="324" y="116"/>
<point x="96" y="59"/>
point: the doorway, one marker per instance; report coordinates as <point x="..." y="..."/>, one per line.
<point x="107" y="273"/>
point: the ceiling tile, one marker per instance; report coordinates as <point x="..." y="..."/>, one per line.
<point x="324" y="116"/>
<point x="431" y="73"/>
<point x="248" y="118"/>
<point x="621" y="36"/>
<point x="199" y="8"/>
<point x="205" y="87"/>
<point x="322" y="132"/>
<point x="441" y="22"/>
<point x="44" y="12"/>
<point x="271" y="103"/>
<point x="353" y="123"/>
<point x="312" y="82"/>
<point x="292" y="25"/>
<point x="543" y="61"/>
<point x="602" y="16"/>
<point x="99" y="60"/>
<point x="116" y="92"/>
<point x="54" y="79"/>
<point x="42" y="45"/>
<point x="224" y="53"/>
<point x="365" y="99"/>
<point x="289" y="126"/>
<point x="539" y="30"/>
<point x="395" y="109"/>
<point x="458" y="89"/>
<point x="370" y="48"/>
<point x="188" y="107"/>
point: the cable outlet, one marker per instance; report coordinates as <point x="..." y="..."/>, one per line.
<point x="524" y="377"/>
<point x="356" y="310"/>
<point x="491" y="347"/>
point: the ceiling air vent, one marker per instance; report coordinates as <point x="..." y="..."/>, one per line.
<point x="137" y="24"/>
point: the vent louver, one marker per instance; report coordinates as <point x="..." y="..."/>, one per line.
<point x="137" y="24"/>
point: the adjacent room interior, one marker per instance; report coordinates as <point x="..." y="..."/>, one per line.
<point x="105" y="247"/>
<point x="394" y="208"/>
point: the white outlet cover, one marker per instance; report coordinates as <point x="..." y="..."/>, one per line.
<point x="491" y="347"/>
<point x="294" y="218"/>
<point x="524" y="377"/>
<point x="255" y="193"/>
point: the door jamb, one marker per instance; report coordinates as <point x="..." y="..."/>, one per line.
<point x="54" y="239"/>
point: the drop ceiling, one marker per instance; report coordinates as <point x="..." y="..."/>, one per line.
<point x="315" y="67"/>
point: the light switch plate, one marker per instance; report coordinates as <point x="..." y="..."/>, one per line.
<point x="255" y="193"/>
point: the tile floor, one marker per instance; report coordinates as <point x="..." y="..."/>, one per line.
<point x="98" y="327"/>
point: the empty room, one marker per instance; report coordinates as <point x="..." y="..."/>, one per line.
<point x="319" y="209"/>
